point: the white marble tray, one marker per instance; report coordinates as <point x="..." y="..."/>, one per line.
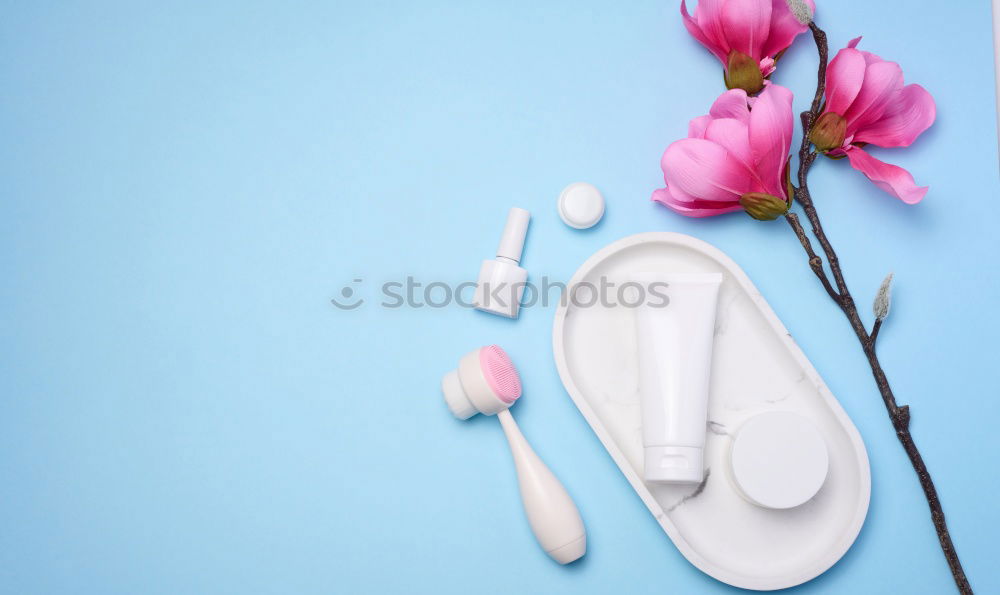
<point x="756" y="367"/>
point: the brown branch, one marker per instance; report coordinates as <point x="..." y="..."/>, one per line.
<point x="898" y="415"/>
<point x="815" y="262"/>
<point x="807" y="157"/>
<point x="872" y="336"/>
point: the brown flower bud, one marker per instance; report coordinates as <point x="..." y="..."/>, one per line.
<point x="763" y="207"/>
<point x="828" y="132"/>
<point x="743" y="72"/>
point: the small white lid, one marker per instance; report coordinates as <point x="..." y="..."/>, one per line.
<point x="674" y="464"/>
<point x="581" y="205"/>
<point x="778" y="460"/>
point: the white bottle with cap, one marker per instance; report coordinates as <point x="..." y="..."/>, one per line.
<point x="501" y="281"/>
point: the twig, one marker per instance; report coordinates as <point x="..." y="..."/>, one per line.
<point x="815" y="262"/>
<point x="874" y="334"/>
<point x="899" y="415"/>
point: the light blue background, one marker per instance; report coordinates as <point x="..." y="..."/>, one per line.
<point x="186" y="185"/>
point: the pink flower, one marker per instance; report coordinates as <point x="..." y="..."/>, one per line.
<point x="747" y="36"/>
<point x="867" y="103"/>
<point x="733" y="159"/>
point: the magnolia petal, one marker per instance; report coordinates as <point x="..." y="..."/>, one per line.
<point x="665" y="197"/>
<point x="697" y="127"/>
<point x="907" y="116"/>
<point x="767" y="68"/>
<point x="682" y="197"/>
<point x="883" y="81"/>
<point x="770" y="134"/>
<point x="870" y="58"/>
<point x="844" y="77"/>
<point x="731" y="104"/>
<point x="734" y="136"/>
<point x="708" y="13"/>
<point x="709" y="40"/>
<point x="784" y="28"/>
<point x="746" y="24"/>
<point x="891" y="178"/>
<point x="703" y="170"/>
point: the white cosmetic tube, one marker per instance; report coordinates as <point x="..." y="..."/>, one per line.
<point x="675" y="327"/>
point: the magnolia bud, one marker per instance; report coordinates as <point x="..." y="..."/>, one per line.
<point x="828" y="132"/>
<point x="743" y="72"/>
<point x="800" y="10"/>
<point x="883" y="299"/>
<point x="763" y="207"/>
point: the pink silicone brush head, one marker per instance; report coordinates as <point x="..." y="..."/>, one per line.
<point x="486" y="381"/>
<point x="500" y="373"/>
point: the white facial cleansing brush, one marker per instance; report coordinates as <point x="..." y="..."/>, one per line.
<point x="487" y="382"/>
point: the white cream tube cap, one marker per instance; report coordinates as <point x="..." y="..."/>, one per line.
<point x="674" y="464"/>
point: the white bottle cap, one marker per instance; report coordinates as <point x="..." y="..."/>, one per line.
<point x="778" y="460"/>
<point x="674" y="464"/>
<point x="512" y="241"/>
<point x="581" y="205"/>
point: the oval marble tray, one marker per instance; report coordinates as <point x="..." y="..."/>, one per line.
<point x="756" y="367"/>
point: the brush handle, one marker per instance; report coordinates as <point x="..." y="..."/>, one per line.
<point x="553" y="516"/>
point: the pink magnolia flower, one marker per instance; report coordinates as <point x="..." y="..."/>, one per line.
<point x="734" y="158"/>
<point x="867" y="103"/>
<point x="747" y="36"/>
